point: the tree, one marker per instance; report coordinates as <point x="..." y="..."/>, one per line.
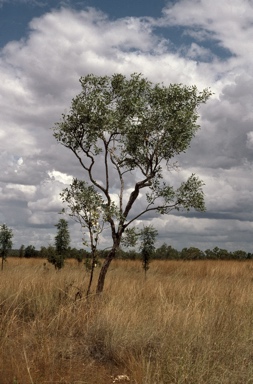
<point x="52" y="257"/>
<point x="147" y="248"/>
<point x="21" y="251"/>
<point x="86" y="206"/>
<point x="62" y="241"/>
<point x="43" y="252"/>
<point x="30" y="251"/>
<point x="211" y="255"/>
<point x="192" y="253"/>
<point x="5" y="242"/>
<point x="125" y="133"/>
<point x="166" y="252"/>
<point x="239" y="255"/>
<point x="78" y="254"/>
<point x="221" y="254"/>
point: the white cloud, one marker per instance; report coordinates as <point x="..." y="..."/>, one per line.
<point x="60" y="176"/>
<point x="39" y="77"/>
<point x="27" y="190"/>
<point x="230" y="22"/>
<point x="199" y="53"/>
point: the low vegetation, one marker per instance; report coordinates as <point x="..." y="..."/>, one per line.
<point x="188" y="322"/>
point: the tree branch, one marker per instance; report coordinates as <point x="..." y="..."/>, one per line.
<point x="168" y="207"/>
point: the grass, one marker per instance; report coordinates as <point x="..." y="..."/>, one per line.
<point x="188" y="323"/>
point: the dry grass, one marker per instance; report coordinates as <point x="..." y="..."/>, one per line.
<point x="189" y="323"/>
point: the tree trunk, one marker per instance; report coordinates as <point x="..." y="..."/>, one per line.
<point x="91" y="273"/>
<point x="104" y="269"/>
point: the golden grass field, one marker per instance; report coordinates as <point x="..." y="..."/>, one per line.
<point x="188" y="323"/>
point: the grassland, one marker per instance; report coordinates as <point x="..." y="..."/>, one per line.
<point x="188" y="323"/>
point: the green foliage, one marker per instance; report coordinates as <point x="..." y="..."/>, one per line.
<point x="148" y="238"/>
<point x="6" y="236"/>
<point x="221" y="254"/>
<point x="62" y="239"/>
<point x="78" y="254"/>
<point x="240" y="255"/>
<point x="54" y="258"/>
<point x="30" y="251"/>
<point x="129" y="238"/>
<point x="118" y="125"/>
<point x="130" y="254"/>
<point x="57" y="260"/>
<point x="192" y="253"/>
<point x="167" y="252"/>
<point x="86" y="206"/>
<point x="56" y="255"/>
<point x="43" y="253"/>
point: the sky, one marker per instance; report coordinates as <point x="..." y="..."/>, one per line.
<point x="46" y="46"/>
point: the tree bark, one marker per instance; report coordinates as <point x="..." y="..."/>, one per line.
<point x="91" y="273"/>
<point x="104" y="269"/>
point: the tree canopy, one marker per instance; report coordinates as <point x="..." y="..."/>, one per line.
<point x="125" y="133"/>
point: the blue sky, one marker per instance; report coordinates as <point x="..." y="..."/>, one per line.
<point x="15" y="15"/>
<point x="47" y="45"/>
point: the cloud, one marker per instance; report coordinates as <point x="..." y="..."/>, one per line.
<point x="199" y="53"/>
<point x="249" y="142"/>
<point x="39" y="77"/>
<point x="229" y="22"/>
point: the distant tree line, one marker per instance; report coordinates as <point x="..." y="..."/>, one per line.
<point x="167" y="252"/>
<point x="57" y="254"/>
<point x="164" y="252"/>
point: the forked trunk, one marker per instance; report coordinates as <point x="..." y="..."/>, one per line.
<point x="104" y="269"/>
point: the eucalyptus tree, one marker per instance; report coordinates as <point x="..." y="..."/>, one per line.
<point x="86" y="206"/>
<point x="125" y="133"/>
<point x="6" y="236"/>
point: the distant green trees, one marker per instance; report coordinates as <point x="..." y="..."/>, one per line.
<point x="30" y="251"/>
<point x="147" y="247"/>
<point x="56" y="255"/>
<point x="145" y="252"/>
<point x="5" y="242"/>
<point x="192" y="253"/>
<point x="166" y="251"/>
<point x="62" y="239"/>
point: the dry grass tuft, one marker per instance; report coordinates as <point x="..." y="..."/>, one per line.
<point x="189" y="323"/>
